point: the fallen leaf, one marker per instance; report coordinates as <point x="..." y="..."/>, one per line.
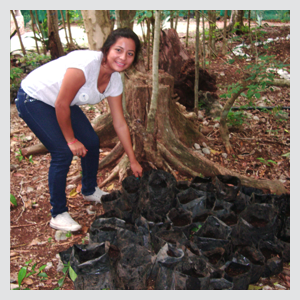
<point x="241" y="157"/>
<point x="28" y="281"/>
<point x="85" y="229"/>
<point x="73" y="193"/>
<point x="104" y="153"/>
<point x="12" y="254"/>
<point x="254" y="287"/>
<point x="19" y="175"/>
<point x="78" y="189"/>
<point x="110" y="187"/>
<point x="215" y="151"/>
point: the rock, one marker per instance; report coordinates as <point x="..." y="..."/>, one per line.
<point x="200" y="115"/>
<point x="13" y="167"/>
<point x="30" y="189"/>
<point x="48" y="266"/>
<point x="205" y="123"/>
<point x="204" y="145"/>
<point x="60" y="235"/>
<point x="71" y="186"/>
<point x="206" y="151"/>
<point x="13" y="286"/>
<point x="256" y="118"/>
<point x="60" y="264"/>
<point x="90" y="212"/>
<point x="224" y="155"/>
<point x="222" y="74"/>
<point x="217" y="125"/>
<point x="28" y="138"/>
<point x="197" y="146"/>
<point x="267" y="287"/>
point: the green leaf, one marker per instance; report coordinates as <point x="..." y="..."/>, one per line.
<point x="148" y="14"/>
<point x="42" y="275"/>
<point x="60" y="282"/>
<point x="272" y="161"/>
<point x="257" y="95"/>
<point x="21" y="275"/>
<point x="13" y="200"/>
<point x="231" y="61"/>
<point x="65" y="269"/>
<point x="42" y="268"/>
<point x="254" y="287"/>
<point x="286" y="154"/>
<point x="72" y="273"/>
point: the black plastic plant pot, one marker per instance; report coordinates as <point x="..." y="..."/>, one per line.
<point x="216" y="250"/>
<point x="227" y="187"/>
<point x="220" y="284"/>
<point x="238" y="274"/>
<point x="214" y="228"/>
<point x="202" y="183"/>
<point x="179" y="217"/>
<point x="256" y="259"/>
<point x="114" y="195"/>
<point x="168" y="256"/>
<point x="130" y="189"/>
<point x="120" y="204"/>
<point x="163" y="236"/>
<point x="105" y="229"/>
<point x="222" y="210"/>
<point x="189" y="195"/>
<point x="182" y="185"/>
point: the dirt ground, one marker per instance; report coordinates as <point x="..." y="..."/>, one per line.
<point x="31" y="237"/>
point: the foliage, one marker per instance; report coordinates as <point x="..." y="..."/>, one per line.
<point x="66" y="270"/>
<point x="13" y="200"/>
<point x="266" y="162"/>
<point x="19" y="155"/>
<point x="236" y="118"/>
<point x="23" y="273"/>
<point x="15" y="73"/>
<point x="34" y="60"/>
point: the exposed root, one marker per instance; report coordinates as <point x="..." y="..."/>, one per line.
<point x="114" y="155"/>
<point x="112" y="176"/>
<point x="120" y="170"/>
<point x="174" y="161"/>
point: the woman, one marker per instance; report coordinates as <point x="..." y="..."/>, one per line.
<point x="48" y="101"/>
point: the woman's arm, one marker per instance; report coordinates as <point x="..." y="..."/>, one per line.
<point x="122" y="130"/>
<point x="73" y="80"/>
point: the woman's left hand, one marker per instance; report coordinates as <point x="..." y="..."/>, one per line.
<point x="136" y="169"/>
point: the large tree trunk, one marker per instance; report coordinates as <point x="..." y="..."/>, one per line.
<point x="98" y="26"/>
<point x="172" y="140"/>
<point x="126" y="17"/>
<point x="54" y="44"/>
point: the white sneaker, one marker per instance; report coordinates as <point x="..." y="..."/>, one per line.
<point x="64" y="222"/>
<point x="96" y="197"/>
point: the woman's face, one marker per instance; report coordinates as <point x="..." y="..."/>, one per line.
<point x="121" y="55"/>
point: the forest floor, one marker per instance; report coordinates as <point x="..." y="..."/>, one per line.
<point x="261" y="144"/>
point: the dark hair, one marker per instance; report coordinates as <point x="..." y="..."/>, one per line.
<point x="119" y="33"/>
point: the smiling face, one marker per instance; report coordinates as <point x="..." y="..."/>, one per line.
<point x="120" y="55"/>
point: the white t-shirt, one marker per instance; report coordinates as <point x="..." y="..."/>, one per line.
<point x="44" y="82"/>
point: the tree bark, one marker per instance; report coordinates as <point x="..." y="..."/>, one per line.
<point x="224" y="46"/>
<point x="224" y="132"/>
<point x="18" y="32"/>
<point x="65" y="29"/>
<point x="203" y="40"/>
<point x="54" y="45"/>
<point x="187" y="28"/>
<point x="196" y="89"/>
<point x="153" y="106"/>
<point x="33" y="30"/>
<point x="98" y="26"/>
<point x="126" y="17"/>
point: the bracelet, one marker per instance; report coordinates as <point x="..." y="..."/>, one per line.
<point x="72" y="142"/>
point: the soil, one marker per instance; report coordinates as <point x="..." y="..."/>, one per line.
<point x="31" y="237"/>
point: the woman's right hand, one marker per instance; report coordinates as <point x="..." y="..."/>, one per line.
<point x="78" y="149"/>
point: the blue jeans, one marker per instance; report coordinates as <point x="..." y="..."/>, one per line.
<point x="41" y="119"/>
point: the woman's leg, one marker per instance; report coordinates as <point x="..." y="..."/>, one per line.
<point x="41" y="119"/>
<point x="85" y="133"/>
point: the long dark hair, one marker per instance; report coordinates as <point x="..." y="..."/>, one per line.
<point x="115" y="35"/>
